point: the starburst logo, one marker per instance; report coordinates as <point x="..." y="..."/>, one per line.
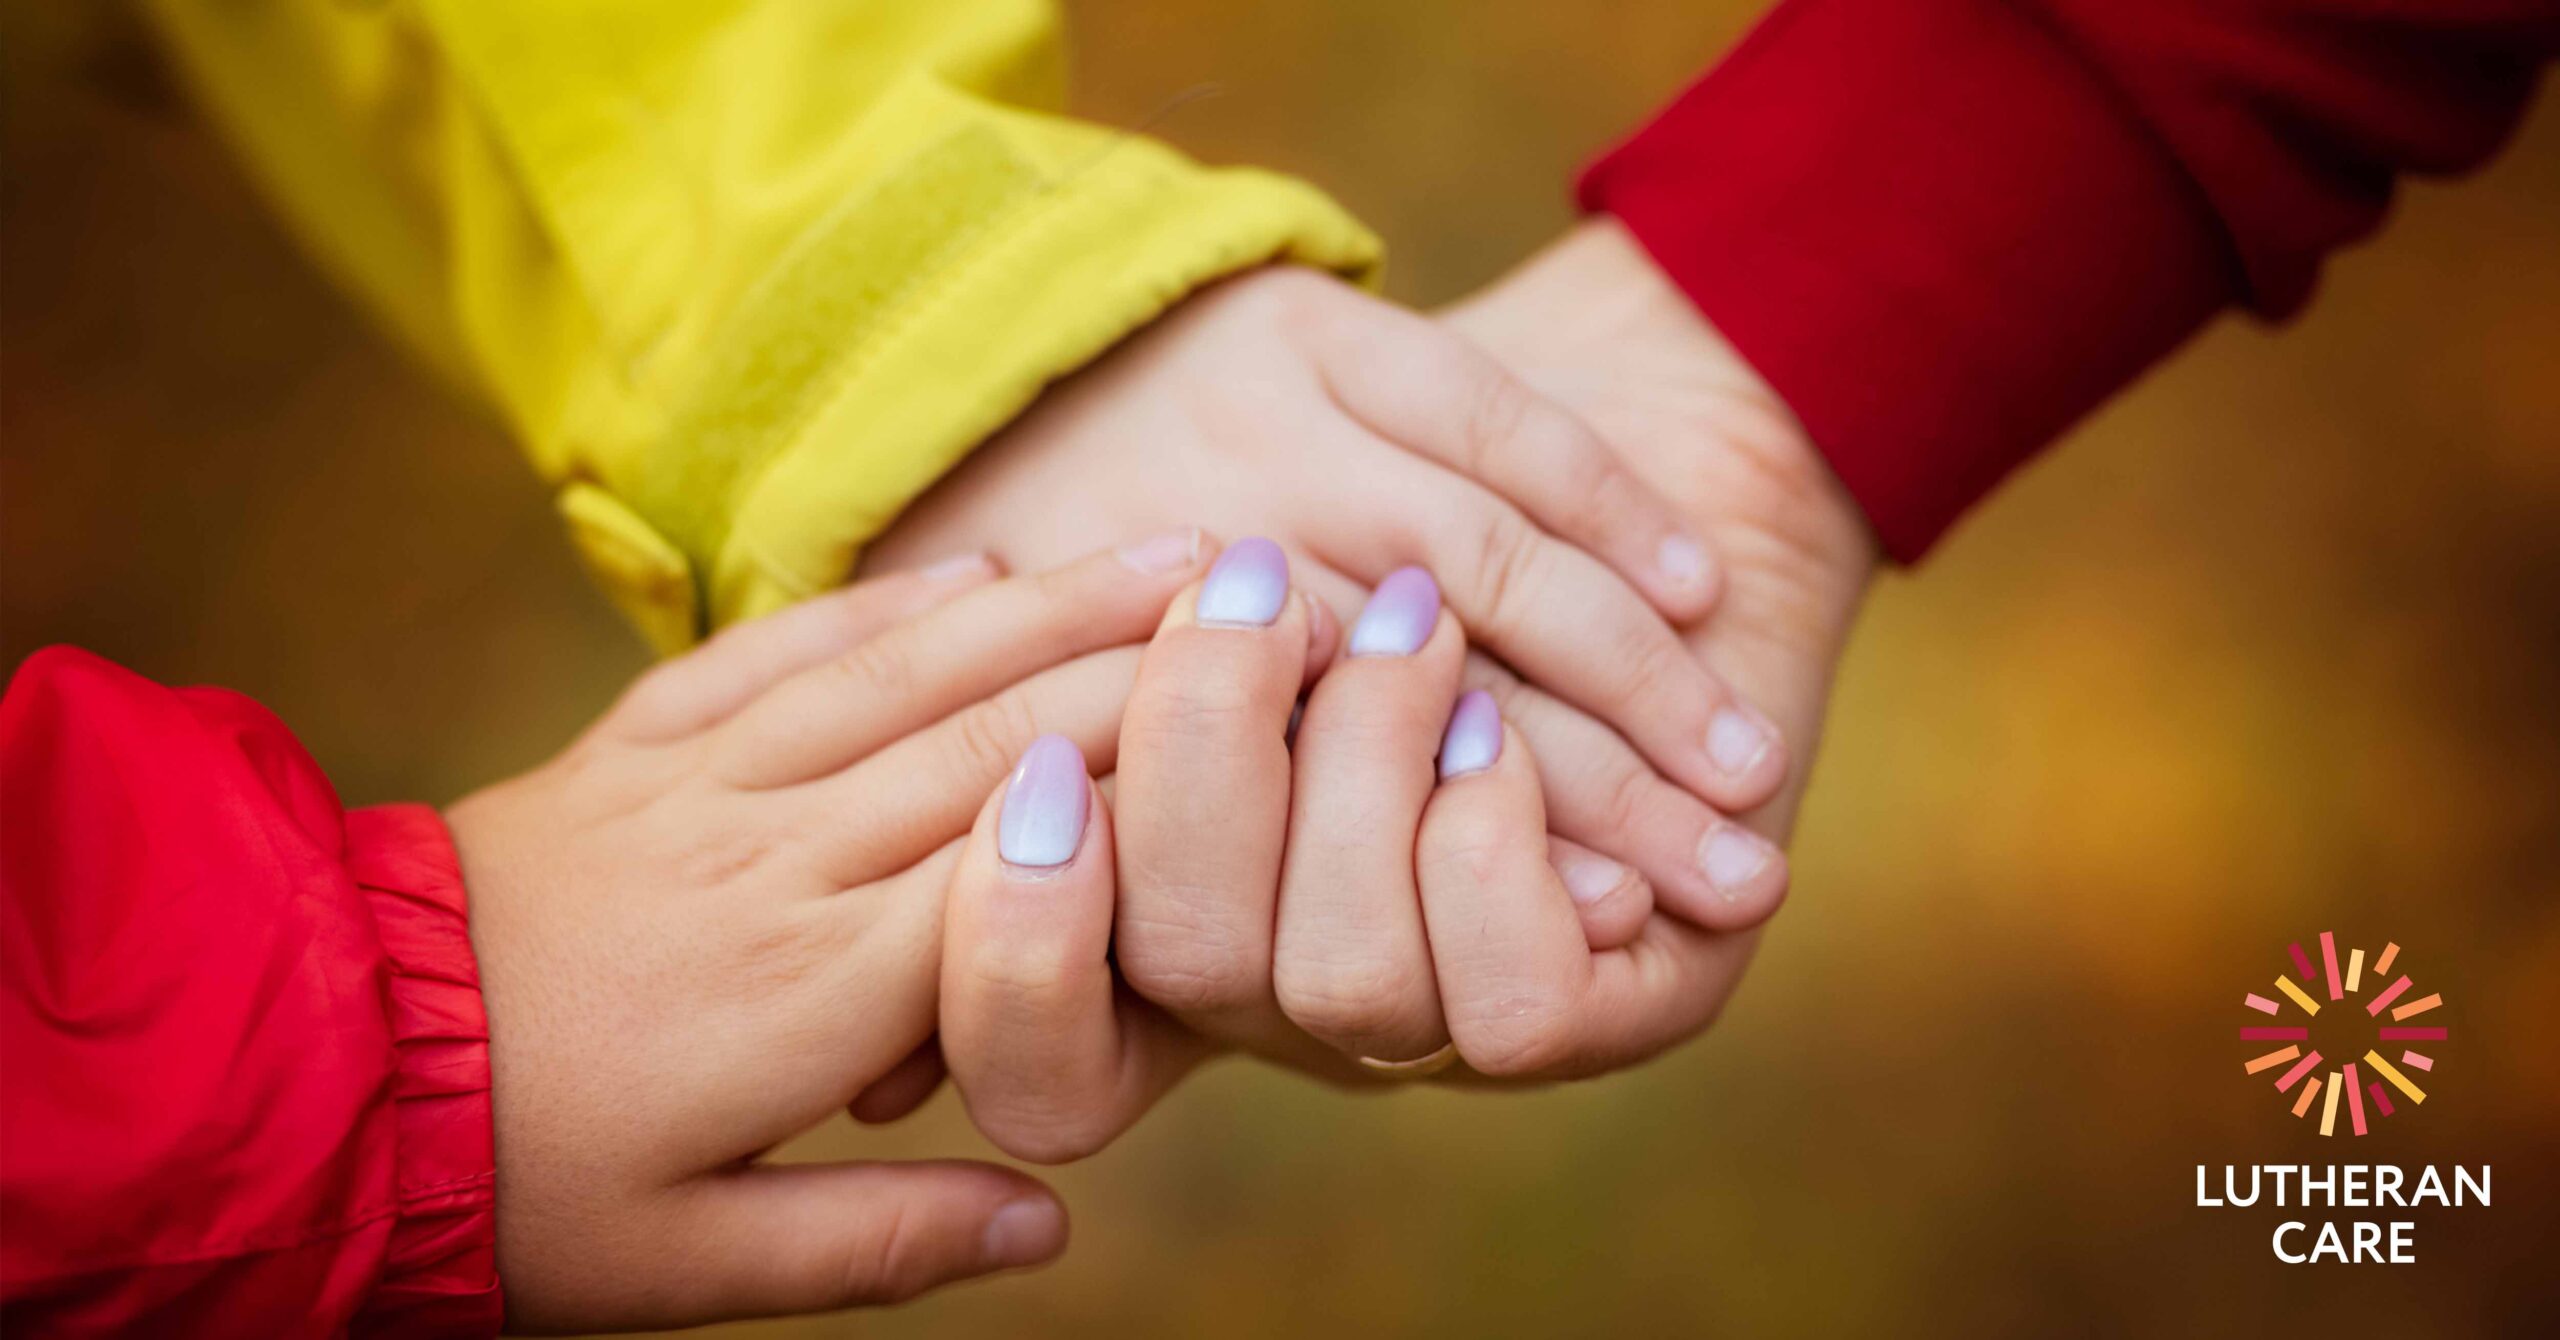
<point x="2357" y="1081"/>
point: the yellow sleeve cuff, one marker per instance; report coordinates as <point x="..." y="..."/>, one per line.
<point x="910" y="329"/>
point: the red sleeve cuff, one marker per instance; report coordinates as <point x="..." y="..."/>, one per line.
<point x="440" y="1274"/>
<point x="1931" y="231"/>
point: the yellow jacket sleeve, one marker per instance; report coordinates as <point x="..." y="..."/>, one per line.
<point x="744" y="276"/>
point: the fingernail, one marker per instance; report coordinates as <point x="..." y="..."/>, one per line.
<point x="1025" y="1232"/>
<point x="1169" y="552"/>
<point x="958" y="565"/>
<point x="1736" y="741"/>
<point x="1732" y="856"/>
<point x="1474" y="738"/>
<point x="1683" y="560"/>
<point x="1590" y="878"/>
<point x="1042" y="822"/>
<point x="1245" y="587"/>
<point x="1399" y="616"/>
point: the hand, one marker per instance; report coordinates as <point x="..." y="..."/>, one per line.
<point x="1375" y="905"/>
<point x="1364" y="439"/>
<point x="715" y="919"/>
<point x="1594" y="325"/>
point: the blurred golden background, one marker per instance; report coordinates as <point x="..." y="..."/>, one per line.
<point x="2271" y="647"/>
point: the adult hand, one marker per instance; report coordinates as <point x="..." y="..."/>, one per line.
<point x="1365" y="439"/>
<point x="1594" y="325"/>
<point x="716" y="919"/>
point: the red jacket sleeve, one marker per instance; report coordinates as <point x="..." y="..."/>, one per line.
<point x="247" y="1069"/>
<point x="1945" y="229"/>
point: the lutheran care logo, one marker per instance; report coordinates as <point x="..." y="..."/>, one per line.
<point x="2359" y="1082"/>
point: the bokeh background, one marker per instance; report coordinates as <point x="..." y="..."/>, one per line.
<point x="2271" y="646"/>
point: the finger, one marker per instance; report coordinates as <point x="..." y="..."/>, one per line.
<point x="845" y="708"/>
<point x="1051" y="1058"/>
<point x="1525" y="995"/>
<point x="1704" y="868"/>
<point x="1202" y="807"/>
<point x="1612" y="898"/>
<point x="1571" y="626"/>
<point x="1507" y="943"/>
<point x="1414" y="383"/>
<point x="777" y="1239"/>
<point x="1351" y="965"/>
<point x="922" y="791"/>
<point x="906" y="1087"/>
<point x="702" y="687"/>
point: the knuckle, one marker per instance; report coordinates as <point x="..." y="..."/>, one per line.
<point x="1348" y="999"/>
<point x="1190" y="965"/>
<point x="656" y="702"/>
<point x="1195" y="705"/>
<point x="1499" y="417"/>
<point x="986" y="738"/>
<point x="713" y="856"/>
<point x="1021" y="978"/>
<point x="1627" y="805"/>
<point x="1300" y="301"/>
<point x="1508" y="565"/>
<point x="1514" y="1037"/>
<point x="882" y="670"/>
<point x="1468" y="847"/>
<point x="1656" y="661"/>
<point x="1608" y="500"/>
<point x="889" y="1267"/>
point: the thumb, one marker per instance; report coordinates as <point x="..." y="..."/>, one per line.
<point x="776" y="1239"/>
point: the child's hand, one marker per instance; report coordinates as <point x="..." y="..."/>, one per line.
<point x="1342" y="901"/>
<point x="715" y="919"/>
<point x="1365" y="439"/>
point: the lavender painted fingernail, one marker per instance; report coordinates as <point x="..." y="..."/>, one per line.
<point x="1474" y="738"/>
<point x="1245" y="587"/>
<point x="1042" y="822"/>
<point x="1399" y="616"/>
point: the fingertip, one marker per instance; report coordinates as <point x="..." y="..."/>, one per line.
<point x="1746" y="878"/>
<point x="1473" y="740"/>
<point x="1686" y="578"/>
<point x="1046" y="808"/>
<point x="1612" y="898"/>
<point x="963" y="570"/>
<point x="1173" y="553"/>
<point x="1324" y="635"/>
<point x="1026" y="1231"/>
<point x="1747" y="756"/>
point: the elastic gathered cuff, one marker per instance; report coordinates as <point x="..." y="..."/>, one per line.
<point x="440" y="1275"/>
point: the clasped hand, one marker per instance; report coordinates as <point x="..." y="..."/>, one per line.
<point x="833" y="853"/>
